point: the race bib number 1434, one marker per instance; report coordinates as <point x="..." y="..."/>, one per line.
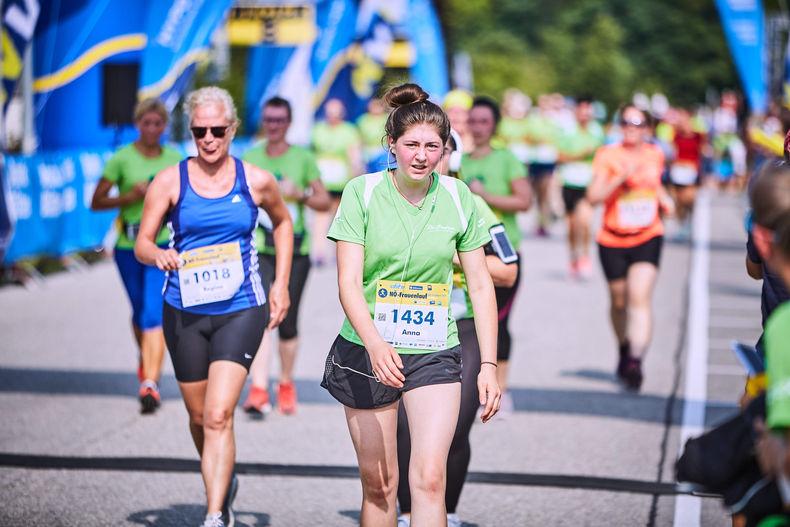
<point x="412" y="314"/>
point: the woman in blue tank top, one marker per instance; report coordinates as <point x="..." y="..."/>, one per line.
<point x="215" y="308"/>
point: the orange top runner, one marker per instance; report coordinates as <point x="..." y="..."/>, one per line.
<point x="631" y="211"/>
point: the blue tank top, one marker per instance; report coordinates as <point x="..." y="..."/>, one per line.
<point x="197" y="223"/>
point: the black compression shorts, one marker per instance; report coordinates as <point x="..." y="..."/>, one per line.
<point x="195" y="341"/>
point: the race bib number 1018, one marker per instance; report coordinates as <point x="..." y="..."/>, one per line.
<point x="412" y="314"/>
<point x="210" y="274"/>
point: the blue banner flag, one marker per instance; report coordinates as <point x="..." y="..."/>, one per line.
<point x="178" y="36"/>
<point x="49" y="201"/>
<point x="19" y="19"/>
<point x="301" y="67"/>
<point x="73" y="41"/>
<point x="744" y="28"/>
<point x="425" y="34"/>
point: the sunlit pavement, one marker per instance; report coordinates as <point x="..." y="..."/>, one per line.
<point x="577" y="451"/>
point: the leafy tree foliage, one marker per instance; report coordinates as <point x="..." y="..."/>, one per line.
<point x="606" y="48"/>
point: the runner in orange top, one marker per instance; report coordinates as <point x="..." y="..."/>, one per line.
<point x="627" y="180"/>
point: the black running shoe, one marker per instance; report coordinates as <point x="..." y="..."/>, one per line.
<point x="150" y="399"/>
<point x="624" y="358"/>
<point x="633" y="374"/>
<point x="228" y="518"/>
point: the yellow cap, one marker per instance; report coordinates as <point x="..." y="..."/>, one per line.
<point x="457" y="98"/>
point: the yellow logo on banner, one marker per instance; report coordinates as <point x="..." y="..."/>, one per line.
<point x="276" y="25"/>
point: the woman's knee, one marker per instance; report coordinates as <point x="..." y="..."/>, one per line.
<point x="618" y="301"/>
<point x="379" y="488"/>
<point x="217" y="419"/>
<point x="428" y="480"/>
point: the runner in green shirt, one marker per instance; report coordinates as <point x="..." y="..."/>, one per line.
<point x="500" y="179"/>
<point x="577" y="147"/>
<point x="337" y="148"/>
<point x="513" y="128"/>
<point x="397" y="232"/>
<point x="300" y="184"/>
<point x="130" y="170"/>
<point x="543" y="135"/>
<point x="371" y="129"/>
<point x="502" y="274"/>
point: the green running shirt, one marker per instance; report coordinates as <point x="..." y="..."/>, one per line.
<point x="578" y="174"/>
<point x="125" y="169"/>
<point x="496" y="171"/>
<point x="372" y="213"/>
<point x="459" y="298"/>
<point x="331" y="144"/>
<point x="777" y="361"/>
<point x="298" y="166"/>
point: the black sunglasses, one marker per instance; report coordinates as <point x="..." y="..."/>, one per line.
<point x="217" y="131"/>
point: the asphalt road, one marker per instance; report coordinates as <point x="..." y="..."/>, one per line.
<point x="74" y="449"/>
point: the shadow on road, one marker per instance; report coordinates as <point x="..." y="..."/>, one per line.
<point x="620" y="405"/>
<point x="186" y="514"/>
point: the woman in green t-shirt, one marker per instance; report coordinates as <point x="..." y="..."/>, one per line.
<point x="337" y="147"/>
<point x="502" y="274"/>
<point x="396" y="233"/>
<point x="131" y="170"/>
<point x="501" y="180"/>
<point x="300" y="185"/>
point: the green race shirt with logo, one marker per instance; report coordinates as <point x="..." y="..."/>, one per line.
<point x="372" y="213"/>
<point x="127" y="168"/>
<point x="496" y="171"/>
<point x="298" y="166"/>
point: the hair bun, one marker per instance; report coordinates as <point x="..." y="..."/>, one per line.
<point x="404" y="94"/>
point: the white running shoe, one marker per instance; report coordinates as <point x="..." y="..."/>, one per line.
<point x="404" y="520"/>
<point x="214" y="520"/>
<point x="453" y="520"/>
<point x="227" y="516"/>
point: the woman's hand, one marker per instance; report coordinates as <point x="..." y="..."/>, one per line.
<point x="488" y="388"/>
<point x="289" y="190"/>
<point x="279" y="302"/>
<point x="167" y="260"/>
<point x="138" y="191"/>
<point x="387" y="364"/>
<point x="477" y="187"/>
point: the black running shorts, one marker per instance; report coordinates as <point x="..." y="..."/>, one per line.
<point x="571" y="196"/>
<point x="195" y="341"/>
<point x="348" y="374"/>
<point x="616" y="260"/>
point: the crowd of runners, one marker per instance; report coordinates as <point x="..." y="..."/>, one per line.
<point x="421" y="200"/>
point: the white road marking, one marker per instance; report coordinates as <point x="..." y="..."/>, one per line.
<point x="688" y="509"/>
